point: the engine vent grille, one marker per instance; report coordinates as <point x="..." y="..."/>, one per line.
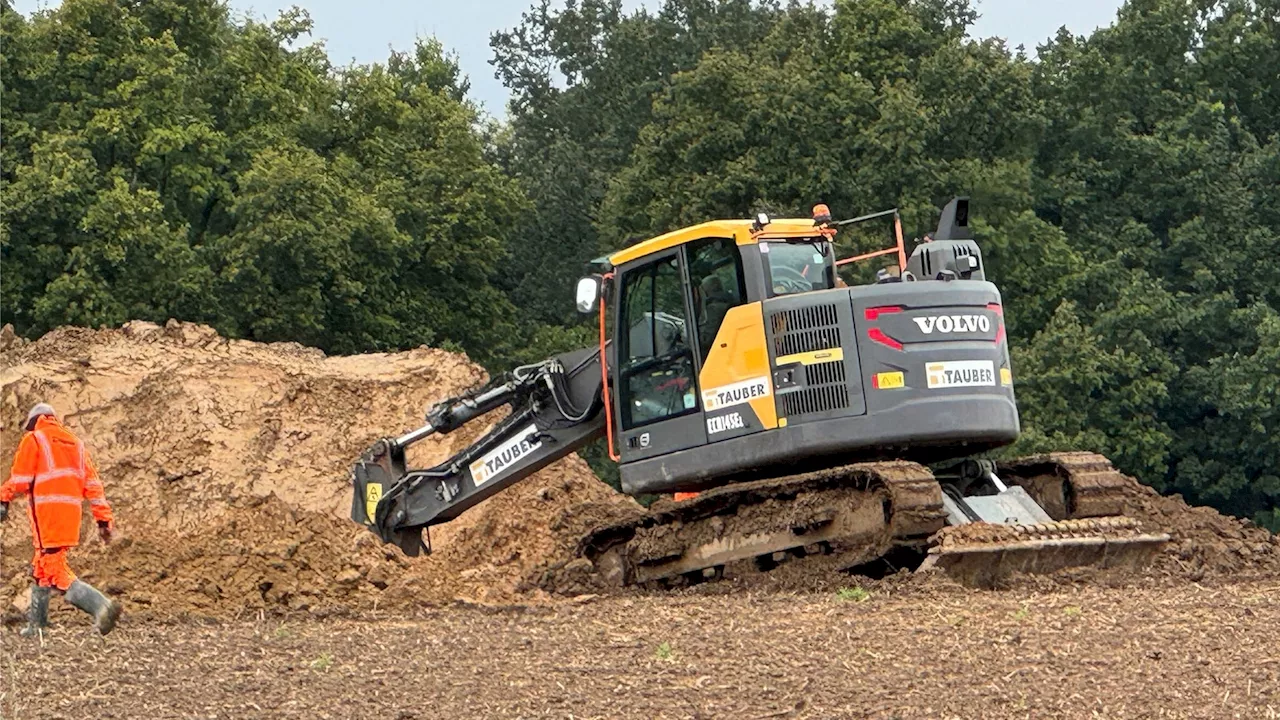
<point x="826" y="390"/>
<point x="805" y="330"/>
<point x="958" y="251"/>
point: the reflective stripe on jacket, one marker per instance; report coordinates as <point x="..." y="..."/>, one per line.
<point x="54" y="473"/>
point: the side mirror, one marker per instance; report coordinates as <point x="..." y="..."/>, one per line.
<point x="588" y="293"/>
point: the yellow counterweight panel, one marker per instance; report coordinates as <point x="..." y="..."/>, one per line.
<point x="740" y="354"/>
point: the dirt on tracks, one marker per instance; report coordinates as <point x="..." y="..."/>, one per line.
<point x="925" y="650"/>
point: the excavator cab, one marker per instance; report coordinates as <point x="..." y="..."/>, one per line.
<point x="810" y="415"/>
<point x="737" y="353"/>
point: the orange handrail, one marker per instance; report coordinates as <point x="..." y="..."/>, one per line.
<point x="902" y="250"/>
<point x="604" y="382"/>
<point x="856" y="258"/>
<point x="899" y="246"/>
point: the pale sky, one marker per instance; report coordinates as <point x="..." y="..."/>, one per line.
<point x="365" y="31"/>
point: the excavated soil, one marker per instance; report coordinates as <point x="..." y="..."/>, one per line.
<point x="227" y="465"/>
<point x="226" y="462"/>
<point x="1206" y="545"/>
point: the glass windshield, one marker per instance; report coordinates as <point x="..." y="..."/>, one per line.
<point x="797" y="266"/>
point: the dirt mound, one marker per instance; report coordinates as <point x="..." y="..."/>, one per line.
<point x="1205" y="544"/>
<point x="226" y="462"/>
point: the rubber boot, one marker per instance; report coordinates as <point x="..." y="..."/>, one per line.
<point x="37" y="612"/>
<point x="86" y="597"/>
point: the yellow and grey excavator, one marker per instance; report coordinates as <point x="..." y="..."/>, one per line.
<point x="808" y="416"/>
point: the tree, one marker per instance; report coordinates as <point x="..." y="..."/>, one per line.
<point x="162" y="160"/>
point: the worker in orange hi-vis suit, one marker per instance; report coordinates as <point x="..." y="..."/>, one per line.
<point x="53" y="472"/>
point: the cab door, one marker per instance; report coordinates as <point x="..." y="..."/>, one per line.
<point x="734" y="372"/>
<point x="659" y="410"/>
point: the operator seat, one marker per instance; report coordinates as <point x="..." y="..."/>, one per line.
<point x="654" y="334"/>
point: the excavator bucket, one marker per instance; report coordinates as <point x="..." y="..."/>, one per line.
<point x="982" y="554"/>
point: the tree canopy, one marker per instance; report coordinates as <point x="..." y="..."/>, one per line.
<point x="162" y="160"/>
<point x="165" y="159"/>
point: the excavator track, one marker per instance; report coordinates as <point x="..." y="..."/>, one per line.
<point x="1071" y="485"/>
<point x="859" y="511"/>
<point x="864" y="511"/>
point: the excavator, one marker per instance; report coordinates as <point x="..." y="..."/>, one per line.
<point x="792" y="413"/>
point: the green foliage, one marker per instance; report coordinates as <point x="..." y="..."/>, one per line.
<point x="1153" y="165"/>
<point x="852" y="594"/>
<point x="294" y="266"/>
<point x="1077" y="391"/>
<point x="162" y="160"/>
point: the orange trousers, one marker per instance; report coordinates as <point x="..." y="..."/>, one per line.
<point x="681" y="496"/>
<point x="50" y="569"/>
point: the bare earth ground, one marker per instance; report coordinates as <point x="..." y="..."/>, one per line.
<point x="1153" y="649"/>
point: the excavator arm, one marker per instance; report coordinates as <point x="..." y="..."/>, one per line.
<point x="555" y="409"/>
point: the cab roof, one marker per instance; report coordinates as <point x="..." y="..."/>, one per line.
<point x="739" y="230"/>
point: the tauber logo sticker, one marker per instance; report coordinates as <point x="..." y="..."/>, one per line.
<point x="735" y="394"/>
<point x="961" y="373"/>
<point x="500" y="459"/>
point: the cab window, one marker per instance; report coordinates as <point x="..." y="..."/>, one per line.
<point x="658" y="374"/>
<point x="715" y="274"/>
<point x="797" y="266"/>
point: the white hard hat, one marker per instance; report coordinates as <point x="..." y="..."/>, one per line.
<point x="37" y="411"/>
